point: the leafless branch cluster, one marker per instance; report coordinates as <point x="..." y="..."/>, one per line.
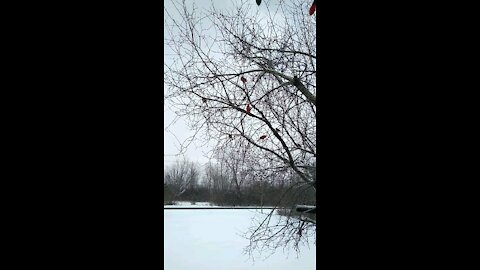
<point x="275" y="232"/>
<point x="181" y="176"/>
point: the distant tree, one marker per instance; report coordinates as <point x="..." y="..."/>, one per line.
<point x="180" y="177"/>
<point x="217" y="181"/>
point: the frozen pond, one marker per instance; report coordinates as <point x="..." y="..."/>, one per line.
<point x="211" y="239"/>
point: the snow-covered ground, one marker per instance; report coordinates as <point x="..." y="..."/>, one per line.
<point x="180" y="204"/>
<point x="211" y="239"/>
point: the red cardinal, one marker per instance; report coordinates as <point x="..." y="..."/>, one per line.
<point x="312" y="8"/>
<point x="263" y="137"/>
<point x="243" y="79"/>
<point x="248" y="108"/>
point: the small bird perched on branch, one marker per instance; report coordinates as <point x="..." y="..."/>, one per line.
<point x="312" y="8"/>
<point x="263" y="137"/>
<point x="248" y="108"/>
<point x="243" y="79"/>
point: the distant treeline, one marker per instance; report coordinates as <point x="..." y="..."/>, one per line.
<point x="251" y="195"/>
<point x="182" y="182"/>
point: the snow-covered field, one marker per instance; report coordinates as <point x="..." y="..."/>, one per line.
<point x="180" y="204"/>
<point x="211" y="239"/>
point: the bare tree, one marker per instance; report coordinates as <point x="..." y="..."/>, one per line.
<point x="217" y="182"/>
<point x="246" y="78"/>
<point x="180" y="177"/>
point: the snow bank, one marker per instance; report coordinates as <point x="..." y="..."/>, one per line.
<point x="206" y="239"/>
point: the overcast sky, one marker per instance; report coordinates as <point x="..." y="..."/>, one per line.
<point x="178" y="128"/>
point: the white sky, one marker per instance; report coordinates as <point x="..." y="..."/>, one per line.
<point x="179" y="129"/>
<point x="177" y="132"/>
<point x="195" y="152"/>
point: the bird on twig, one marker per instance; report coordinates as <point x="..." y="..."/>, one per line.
<point x="312" y="8"/>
